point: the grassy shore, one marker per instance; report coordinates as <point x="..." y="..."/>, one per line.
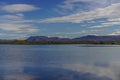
<point x="24" y="42"/>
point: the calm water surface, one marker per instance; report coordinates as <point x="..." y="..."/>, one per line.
<point x="59" y="62"/>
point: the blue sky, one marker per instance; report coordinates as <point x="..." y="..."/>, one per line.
<point x="63" y="18"/>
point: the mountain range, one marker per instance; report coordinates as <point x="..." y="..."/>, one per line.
<point x="83" y="38"/>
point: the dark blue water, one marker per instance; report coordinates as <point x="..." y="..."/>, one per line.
<point x="59" y="62"/>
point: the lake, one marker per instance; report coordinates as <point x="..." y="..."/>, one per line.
<point x="59" y="62"/>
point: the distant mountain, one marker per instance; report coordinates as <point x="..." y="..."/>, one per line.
<point x="98" y="38"/>
<point x="84" y="38"/>
<point x="44" y="38"/>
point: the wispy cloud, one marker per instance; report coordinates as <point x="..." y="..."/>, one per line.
<point x="3" y="34"/>
<point x="73" y="6"/>
<point x="106" y="24"/>
<point x="85" y="14"/>
<point x="110" y="12"/>
<point x="16" y="23"/>
<point x="13" y="16"/>
<point x="80" y="32"/>
<point x="116" y="32"/>
<point x="18" y="28"/>
<point x="98" y="26"/>
<point x="14" y="20"/>
<point x="16" y="8"/>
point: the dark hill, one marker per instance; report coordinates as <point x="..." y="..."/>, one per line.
<point x="44" y="38"/>
<point x="84" y="38"/>
<point x="98" y="38"/>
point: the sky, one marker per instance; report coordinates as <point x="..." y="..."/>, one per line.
<point x="62" y="18"/>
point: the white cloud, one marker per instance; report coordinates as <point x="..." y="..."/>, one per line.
<point x="106" y="24"/>
<point x="76" y="1"/>
<point x="83" y="32"/>
<point x="16" y="23"/>
<point x="100" y="26"/>
<point x="111" y="23"/>
<point x="16" y="18"/>
<point x="16" y="8"/>
<point x="110" y="12"/>
<point x="116" y="19"/>
<point x="117" y="32"/>
<point x="98" y="2"/>
<point x="18" y="28"/>
<point x="2" y="34"/>
<point x="103" y="25"/>
<point x="73" y="6"/>
<point x="13" y="17"/>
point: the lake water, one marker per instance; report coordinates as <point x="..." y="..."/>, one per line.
<point x="59" y="62"/>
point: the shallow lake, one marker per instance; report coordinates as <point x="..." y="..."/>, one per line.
<point x="59" y="62"/>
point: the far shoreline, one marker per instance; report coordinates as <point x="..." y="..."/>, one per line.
<point x="24" y="42"/>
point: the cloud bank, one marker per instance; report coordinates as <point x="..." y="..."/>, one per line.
<point x="14" y="22"/>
